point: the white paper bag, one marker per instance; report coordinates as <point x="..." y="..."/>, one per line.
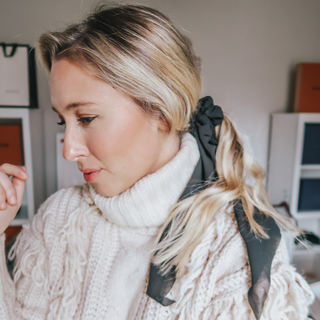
<point x="14" y="76"/>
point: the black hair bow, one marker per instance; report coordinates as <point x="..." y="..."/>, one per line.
<point x="260" y="251"/>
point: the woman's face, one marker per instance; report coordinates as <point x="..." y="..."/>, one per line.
<point x="113" y="141"/>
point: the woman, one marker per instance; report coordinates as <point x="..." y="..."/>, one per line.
<point x="168" y="226"/>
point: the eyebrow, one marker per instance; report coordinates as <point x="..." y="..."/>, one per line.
<point x="74" y="105"/>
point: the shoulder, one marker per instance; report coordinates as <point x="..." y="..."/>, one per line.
<point x="218" y="267"/>
<point x="62" y="201"/>
<point x="54" y="212"/>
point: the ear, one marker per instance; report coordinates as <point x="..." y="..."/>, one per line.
<point x="163" y="124"/>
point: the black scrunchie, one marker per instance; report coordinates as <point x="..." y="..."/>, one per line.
<point x="260" y="251"/>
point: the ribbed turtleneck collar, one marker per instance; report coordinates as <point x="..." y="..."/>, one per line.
<point x="147" y="203"/>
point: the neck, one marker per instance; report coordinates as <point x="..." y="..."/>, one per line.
<point x="170" y="147"/>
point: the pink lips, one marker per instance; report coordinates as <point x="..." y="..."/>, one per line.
<point x="90" y="174"/>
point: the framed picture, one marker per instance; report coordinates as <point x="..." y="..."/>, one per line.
<point x="18" y="85"/>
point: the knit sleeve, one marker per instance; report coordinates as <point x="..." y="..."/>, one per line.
<point x="288" y="298"/>
<point x="25" y="297"/>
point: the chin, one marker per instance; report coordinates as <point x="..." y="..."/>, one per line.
<point x="107" y="191"/>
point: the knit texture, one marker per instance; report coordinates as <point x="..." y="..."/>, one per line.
<point x="87" y="257"/>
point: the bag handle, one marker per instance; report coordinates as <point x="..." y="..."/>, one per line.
<point x="13" y="50"/>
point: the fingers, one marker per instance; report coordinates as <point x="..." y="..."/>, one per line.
<point x="8" y="192"/>
<point x="11" y="191"/>
<point x="19" y="187"/>
<point x="12" y="170"/>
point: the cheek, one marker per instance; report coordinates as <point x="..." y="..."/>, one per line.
<point x="129" y="143"/>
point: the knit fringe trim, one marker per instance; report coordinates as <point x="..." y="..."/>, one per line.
<point x="288" y="299"/>
<point x="28" y="251"/>
<point x="289" y="296"/>
<point x="64" y="292"/>
<point x="201" y="296"/>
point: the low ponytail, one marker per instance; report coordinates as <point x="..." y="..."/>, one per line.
<point x="240" y="177"/>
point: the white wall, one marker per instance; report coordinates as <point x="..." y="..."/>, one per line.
<point x="248" y="48"/>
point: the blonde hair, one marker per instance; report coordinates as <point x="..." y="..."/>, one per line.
<point x="139" y="51"/>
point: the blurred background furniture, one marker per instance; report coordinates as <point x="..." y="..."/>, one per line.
<point x="294" y="178"/>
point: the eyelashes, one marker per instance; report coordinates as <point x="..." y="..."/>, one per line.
<point x="61" y="123"/>
<point x="82" y="120"/>
<point x="86" y="120"/>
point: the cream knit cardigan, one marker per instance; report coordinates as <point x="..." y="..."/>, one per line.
<point x="87" y="257"/>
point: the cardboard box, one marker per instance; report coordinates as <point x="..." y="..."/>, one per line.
<point x="11" y="147"/>
<point x="307" y="88"/>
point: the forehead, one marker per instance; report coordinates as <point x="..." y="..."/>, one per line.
<point x="71" y="83"/>
<point x="68" y="73"/>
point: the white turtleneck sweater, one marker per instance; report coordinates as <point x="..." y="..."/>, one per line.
<point x="84" y="256"/>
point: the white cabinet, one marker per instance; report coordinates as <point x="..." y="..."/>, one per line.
<point x="294" y="177"/>
<point x="20" y="117"/>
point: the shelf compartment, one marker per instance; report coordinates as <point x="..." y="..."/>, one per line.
<point x="309" y="195"/>
<point x="311" y="146"/>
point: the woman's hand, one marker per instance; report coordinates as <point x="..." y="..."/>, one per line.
<point x="11" y="192"/>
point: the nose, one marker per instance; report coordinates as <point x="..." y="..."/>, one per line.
<point x="74" y="146"/>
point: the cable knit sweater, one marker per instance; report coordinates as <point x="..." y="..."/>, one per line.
<point x="84" y="256"/>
